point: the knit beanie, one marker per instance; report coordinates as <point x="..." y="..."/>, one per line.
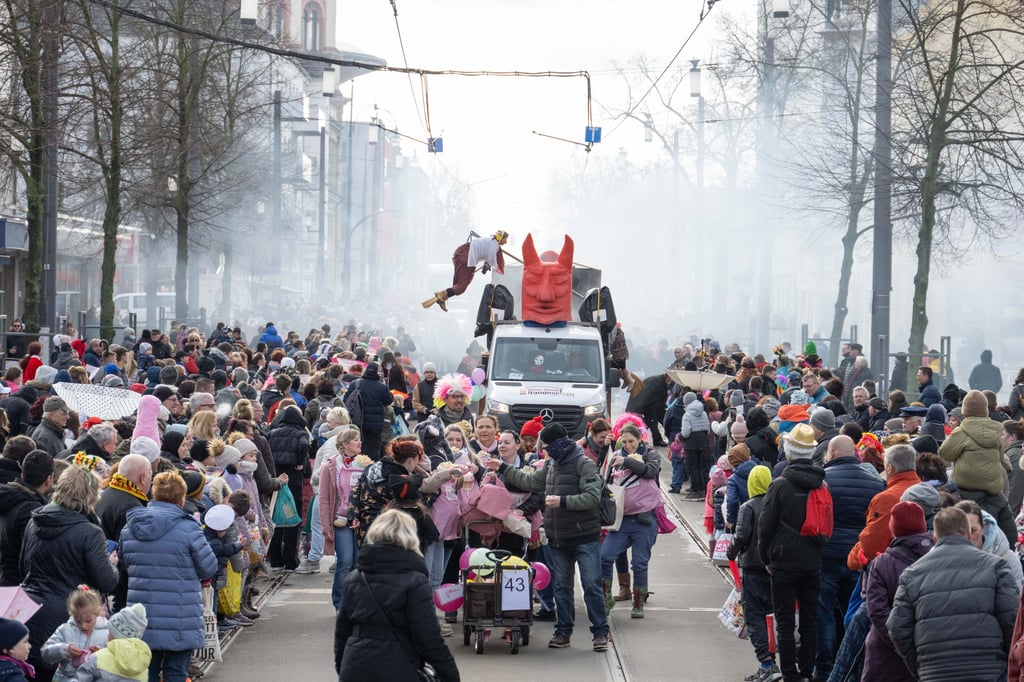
<point x="199" y="450"/>
<point x="147" y="447"/>
<point x="907" y="519"/>
<point x="11" y="632"/>
<point x="739" y="428"/>
<point x="926" y="443"/>
<point x="877" y="403"/>
<point x="925" y="495"/>
<point x="771" y="407"/>
<point x="553" y="431"/>
<point x="168" y="375"/>
<point x="244" y="446"/>
<point x="724" y="464"/>
<point x="128" y="623"/>
<point x="689" y="397"/>
<point x="738" y="454"/>
<point x="532" y="427"/>
<point x="229" y="456"/>
<point x="975" y="404"/>
<point x="823" y="419"/>
<point x="735" y="400"/>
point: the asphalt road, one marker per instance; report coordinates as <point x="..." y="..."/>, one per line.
<point x="680" y="639"/>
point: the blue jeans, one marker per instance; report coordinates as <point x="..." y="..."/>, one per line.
<point x="678" y="473"/>
<point x="563" y="564"/>
<point x="837" y="583"/>
<point x="622" y="563"/>
<point x="849" y="661"/>
<point x="632" y="533"/>
<point x="316" y="533"/>
<point x="434" y="558"/>
<point x="345" y="552"/>
<point x="169" y="666"/>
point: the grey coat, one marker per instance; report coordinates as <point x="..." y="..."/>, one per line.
<point x="954" y="590"/>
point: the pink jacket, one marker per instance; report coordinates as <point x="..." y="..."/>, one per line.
<point x="331" y="491"/>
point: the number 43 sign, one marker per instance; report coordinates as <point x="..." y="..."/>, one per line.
<point x="515" y="590"/>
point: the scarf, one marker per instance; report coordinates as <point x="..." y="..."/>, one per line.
<point x="25" y="668"/>
<point x="560" y="448"/>
<point x="451" y="416"/>
<point x="119" y="482"/>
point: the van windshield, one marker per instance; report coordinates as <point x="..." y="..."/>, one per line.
<point x="545" y="359"/>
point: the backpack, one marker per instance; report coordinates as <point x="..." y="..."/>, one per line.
<point x="818" y="519"/>
<point x="354" y="404"/>
<point x="606" y="508"/>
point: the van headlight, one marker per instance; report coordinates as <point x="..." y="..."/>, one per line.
<point x="597" y="409"/>
<point x="496" y="407"/>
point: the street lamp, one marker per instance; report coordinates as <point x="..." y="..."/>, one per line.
<point x="695" y="91"/>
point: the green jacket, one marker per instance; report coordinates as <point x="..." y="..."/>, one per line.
<point x="576" y="521"/>
<point x="976" y="451"/>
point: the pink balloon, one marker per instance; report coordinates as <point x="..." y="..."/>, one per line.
<point x="478" y="375"/>
<point x="464" y="558"/>
<point x="541" y="575"/>
<point x="448" y="597"/>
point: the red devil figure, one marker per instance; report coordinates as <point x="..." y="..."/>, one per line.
<point x="547" y="283"/>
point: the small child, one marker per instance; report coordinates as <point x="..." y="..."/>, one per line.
<point x="14" y="648"/>
<point x="126" y="657"/>
<point x="84" y="633"/>
<point x="144" y="357"/>
<point x="217" y="521"/>
<point x="757" y="583"/>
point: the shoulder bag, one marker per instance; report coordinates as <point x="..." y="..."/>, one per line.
<point x="425" y="672"/>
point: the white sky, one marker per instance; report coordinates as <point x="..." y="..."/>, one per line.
<point x="487" y="122"/>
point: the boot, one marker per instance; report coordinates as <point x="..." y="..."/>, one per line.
<point x="440" y="298"/>
<point x="624" y="592"/>
<point x="609" y="598"/>
<point x="639" y="597"/>
<point x="248" y="610"/>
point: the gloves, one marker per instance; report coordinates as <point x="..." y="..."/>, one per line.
<point x="485" y="269"/>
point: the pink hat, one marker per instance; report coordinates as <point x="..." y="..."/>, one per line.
<point x="146" y="418"/>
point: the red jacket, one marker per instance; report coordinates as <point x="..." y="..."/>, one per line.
<point x="876" y="536"/>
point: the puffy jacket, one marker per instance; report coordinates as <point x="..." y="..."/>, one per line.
<point x="852" y="490"/>
<point x="744" y="545"/>
<point x="375" y="397"/>
<point x="271" y="338"/>
<point x="819" y="451"/>
<point x="736" y="490"/>
<point x="779" y="542"/>
<point x="876" y="535"/>
<point x="574" y="478"/>
<point x="55" y="650"/>
<point x="953" y="590"/>
<point x="61" y="550"/>
<point x="994" y="542"/>
<point x="166" y="556"/>
<point x="673" y="421"/>
<point x="367" y="647"/>
<point x="289" y="440"/>
<point x="975" y="449"/>
<point x="929" y="394"/>
<point x="17" y="502"/>
<point x="882" y="663"/>
<point x="694" y="421"/>
<point x="121" y="660"/>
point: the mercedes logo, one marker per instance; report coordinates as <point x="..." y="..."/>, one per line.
<point x="547" y="414"/>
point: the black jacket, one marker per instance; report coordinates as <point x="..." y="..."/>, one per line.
<point x="17" y="410"/>
<point x="49" y="437"/>
<point x="112" y="510"/>
<point x="651" y="397"/>
<point x="17" y="502"/>
<point x="87" y="444"/>
<point x="744" y="546"/>
<point x="289" y="440"/>
<point x="9" y="470"/>
<point x="366" y="641"/>
<point x="780" y="544"/>
<point x="376" y="397"/>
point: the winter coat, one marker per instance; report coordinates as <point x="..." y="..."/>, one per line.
<point x="166" y="556"/>
<point x="289" y="440"/>
<point x="852" y="490"/>
<point x="120" y="661"/>
<point x="882" y="663"/>
<point x="876" y="535"/>
<point x="333" y="499"/>
<point x="878" y="421"/>
<point x="640" y="478"/>
<point x="819" y="451"/>
<point x="929" y="394"/>
<point x="673" y="421"/>
<point x="694" y="422"/>
<point x="574" y="478"/>
<point x="316" y="405"/>
<point x="994" y="542"/>
<point x="17" y="407"/>
<point x="10" y="672"/>
<point x="87" y="444"/>
<point x="779" y="543"/>
<point x="1016" y="402"/>
<point x="651" y="398"/>
<point x="371" y="494"/>
<point x="986" y="377"/>
<point x="366" y="637"/>
<point x="17" y="502"/>
<point x="271" y="338"/>
<point x="49" y="437"/>
<point x="112" y="510"/>
<point x="736" y="490"/>
<point x="375" y="397"/>
<point x="1012" y="453"/>
<point x="61" y="550"/>
<point x="9" y="470"/>
<point x="975" y="449"/>
<point x="55" y="651"/>
<point x="953" y="590"/>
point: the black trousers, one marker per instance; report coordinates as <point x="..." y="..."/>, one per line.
<point x="284" y="543"/>
<point x="791" y="590"/>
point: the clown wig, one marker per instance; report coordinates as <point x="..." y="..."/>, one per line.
<point x="448" y="383"/>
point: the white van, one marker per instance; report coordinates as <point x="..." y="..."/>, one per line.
<point x="136" y="303"/>
<point x="557" y="372"/>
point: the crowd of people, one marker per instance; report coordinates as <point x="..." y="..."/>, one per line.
<point x="129" y="532"/>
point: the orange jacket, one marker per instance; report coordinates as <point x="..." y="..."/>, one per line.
<point x="876" y="535"/>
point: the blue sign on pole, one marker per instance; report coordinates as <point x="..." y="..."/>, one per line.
<point x="435" y="145"/>
<point x="593" y="134"/>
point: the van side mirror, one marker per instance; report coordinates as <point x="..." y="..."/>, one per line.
<point x="613" y="379"/>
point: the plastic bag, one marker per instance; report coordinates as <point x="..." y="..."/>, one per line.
<point x="229" y="597"/>
<point x="722" y="548"/>
<point x="731" y="615"/>
<point x="284" y="511"/>
<point x="211" y="644"/>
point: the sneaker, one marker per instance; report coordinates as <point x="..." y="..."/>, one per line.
<point x="601" y="643"/>
<point x="545" y="615"/>
<point x="227" y="623"/>
<point x="242" y="620"/>
<point x="308" y="566"/>
<point x="559" y="641"/>
<point x="276" y="570"/>
<point x="772" y="674"/>
<point x="446" y="629"/>
<point x="675" y="491"/>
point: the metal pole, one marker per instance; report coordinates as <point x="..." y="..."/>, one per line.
<point x="51" y="57"/>
<point x="881" y="274"/>
<point x="347" y="246"/>
<point x="274" y="229"/>
<point x="322" y="222"/>
<point x="378" y="203"/>
<point x="675" y="195"/>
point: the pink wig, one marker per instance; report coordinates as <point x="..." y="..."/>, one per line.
<point x="449" y="382"/>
